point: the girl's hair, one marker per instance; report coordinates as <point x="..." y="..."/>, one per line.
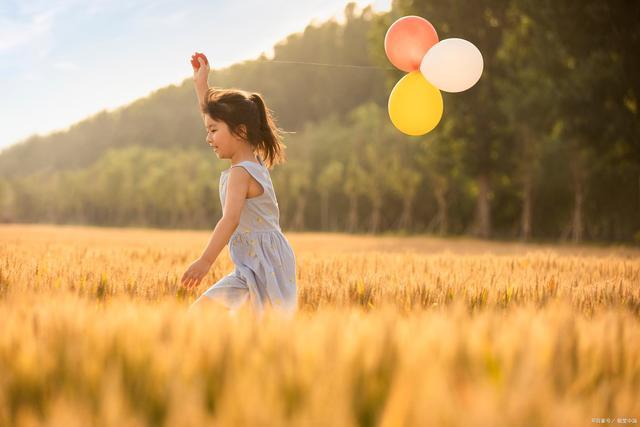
<point x="236" y="107"/>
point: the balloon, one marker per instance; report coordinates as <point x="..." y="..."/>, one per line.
<point x="452" y="65"/>
<point x="415" y="105"/>
<point x="195" y="62"/>
<point x="407" y="40"/>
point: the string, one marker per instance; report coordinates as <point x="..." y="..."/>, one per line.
<point x="323" y="64"/>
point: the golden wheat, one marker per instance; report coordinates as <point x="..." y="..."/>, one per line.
<point x="390" y="331"/>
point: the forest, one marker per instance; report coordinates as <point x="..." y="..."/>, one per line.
<point x="546" y="146"/>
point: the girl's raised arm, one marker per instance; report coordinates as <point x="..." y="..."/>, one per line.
<point x="201" y="83"/>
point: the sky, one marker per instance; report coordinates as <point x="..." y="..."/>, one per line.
<point x="64" y="60"/>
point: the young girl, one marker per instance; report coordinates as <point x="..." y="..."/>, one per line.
<point x="240" y="128"/>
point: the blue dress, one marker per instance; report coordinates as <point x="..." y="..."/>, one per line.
<point x="265" y="265"/>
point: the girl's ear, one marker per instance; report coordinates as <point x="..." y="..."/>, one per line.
<point x="242" y="131"/>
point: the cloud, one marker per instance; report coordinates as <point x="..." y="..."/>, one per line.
<point x="34" y="20"/>
<point x="16" y="34"/>
<point x="169" y="20"/>
<point x="65" y="66"/>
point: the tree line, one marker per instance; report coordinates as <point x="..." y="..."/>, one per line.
<point x="545" y="146"/>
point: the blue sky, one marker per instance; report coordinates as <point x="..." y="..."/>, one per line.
<point x="64" y="60"/>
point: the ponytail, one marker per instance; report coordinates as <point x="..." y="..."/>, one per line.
<point x="270" y="145"/>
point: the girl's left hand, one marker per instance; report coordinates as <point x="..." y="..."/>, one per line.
<point x="194" y="274"/>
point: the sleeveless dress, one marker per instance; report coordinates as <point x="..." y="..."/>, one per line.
<point x="265" y="265"/>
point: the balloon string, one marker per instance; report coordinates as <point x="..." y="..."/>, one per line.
<point x="324" y="64"/>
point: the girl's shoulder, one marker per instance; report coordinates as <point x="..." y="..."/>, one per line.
<point x="259" y="172"/>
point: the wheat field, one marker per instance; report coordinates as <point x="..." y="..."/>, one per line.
<point x="390" y="331"/>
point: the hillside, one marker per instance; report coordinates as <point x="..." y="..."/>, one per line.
<point x="169" y="117"/>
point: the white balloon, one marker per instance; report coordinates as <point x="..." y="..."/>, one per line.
<point x="452" y="65"/>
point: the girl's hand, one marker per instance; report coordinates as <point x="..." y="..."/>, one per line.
<point x="194" y="274"/>
<point x="200" y="74"/>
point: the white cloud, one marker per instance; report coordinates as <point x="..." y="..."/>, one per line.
<point x="31" y="76"/>
<point x="65" y="66"/>
<point x="35" y="23"/>
<point x="16" y="34"/>
<point x="174" y="19"/>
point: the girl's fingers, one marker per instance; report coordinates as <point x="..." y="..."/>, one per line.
<point x="186" y="279"/>
<point x="200" y="277"/>
<point x="191" y="279"/>
<point x="194" y="278"/>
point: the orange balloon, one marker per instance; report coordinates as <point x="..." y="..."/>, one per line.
<point x="407" y="40"/>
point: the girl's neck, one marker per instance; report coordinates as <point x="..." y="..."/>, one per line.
<point x="243" y="156"/>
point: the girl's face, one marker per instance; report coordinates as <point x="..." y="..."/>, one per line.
<point x="220" y="138"/>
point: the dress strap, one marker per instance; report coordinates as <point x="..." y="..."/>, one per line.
<point x="254" y="170"/>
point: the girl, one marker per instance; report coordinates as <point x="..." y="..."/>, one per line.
<point x="241" y="129"/>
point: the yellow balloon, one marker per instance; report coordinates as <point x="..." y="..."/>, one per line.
<point x="415" y="105"/>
